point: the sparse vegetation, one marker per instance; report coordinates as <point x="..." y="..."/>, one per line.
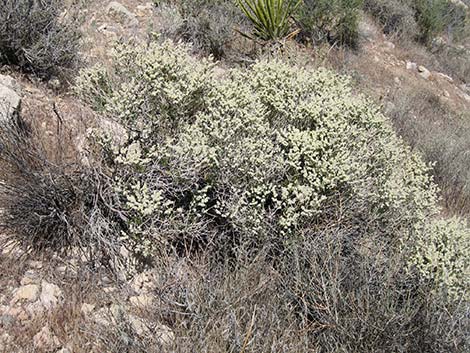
<point x="38" y="36"/>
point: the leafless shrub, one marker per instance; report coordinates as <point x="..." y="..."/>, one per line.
<point x="38" y="36"/>
<point x="51" y="205"/>
<point x="208" y="25"/>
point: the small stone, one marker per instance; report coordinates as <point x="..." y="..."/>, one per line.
<point x="46" y="340"/>
<point x="143" y="10"/>
<point x="423" y="72"/>
<point x="389" y="45"/>
<point x="51" y="295"/>
<point x="141" y="300"/>
<point x="445" y="94"/>
<point x="411" y="65"/>
<point x="7" y="320"/>
<point x="28" y="293"/>
<point x="102" y="317"/>
<point x="30" y="277"/>
<point x="465" y="87"/>
<point x="164" y="334"/>
<point x="36" y="264"/>
<point x="397" y="81"/>
<point x="140" y="326"/>
<point x="109" y="290"/>
<point x="18" y="313"/>
<point x="5" y="340"/>
<point x="10" y="101"/>
<point x="464" y="96"/>
<point x="86" y="308"/>
<point x="117" y="311"/>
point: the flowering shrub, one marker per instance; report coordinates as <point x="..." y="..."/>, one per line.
<point x="266" y="154"/>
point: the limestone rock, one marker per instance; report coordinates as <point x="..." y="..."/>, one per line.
<point x="51" y="295"/>
<point x="7" y="320"/>
<point x="424" y="73"/>
<point x="411" y="65"/>
<point x="140" y="326"/>
<point x="164" y="334"/>
<point x="30" y="277"/>
<point x="45" y="340"/>
<point x="86" y="308"/>
<point x="445" y="77"/>
<point x="143" y="10"/>
<point x="141" y="300"/>
<point x="28" y="293"/>
<point x="10" y="100"/>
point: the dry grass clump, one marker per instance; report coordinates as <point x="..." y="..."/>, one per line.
<point x="41" y="37"/>
<point x="50" y="203"/>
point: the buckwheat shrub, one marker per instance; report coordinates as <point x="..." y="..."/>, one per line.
<point x="261" y="156"/>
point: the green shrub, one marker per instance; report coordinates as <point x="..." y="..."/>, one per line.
<point x="270" y="18"/>
<point x="37" y="37"/>
<point x="334" y="21"/>
<point x="431" y="16"/>
<point x="396" y="16"/>
<point x="443" y="255"/>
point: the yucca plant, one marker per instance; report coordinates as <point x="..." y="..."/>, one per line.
<point x="269" y="17"/>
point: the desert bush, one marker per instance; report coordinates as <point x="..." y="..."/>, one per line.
<point x="261" y="154"/>
<point x="38" y="36"/>
<point x="309" y="216"/>
<point x="453" y="59"/>
<point x="331" y="21"/>
<point x="50" y="205"/>
<point x="208" y="25"/>
<point x="420" y="20"/>
<point x="443" y="256"/>
<point x="396" y="17"/>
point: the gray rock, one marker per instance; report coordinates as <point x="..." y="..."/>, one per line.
<point x="445" y="77"/>
<point x="411" y="65"/>
<point x="87" y="309"/>
<point x="7" y="320"/>
<point x="28" y="293"/>
<point x="424" y="73"/>
<point x="51" y="295"/>
<point x="45" y="340"/>
<point x="10" y="100"/>
<point x="121" y="13"/>
<point x="144" y="10"/>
